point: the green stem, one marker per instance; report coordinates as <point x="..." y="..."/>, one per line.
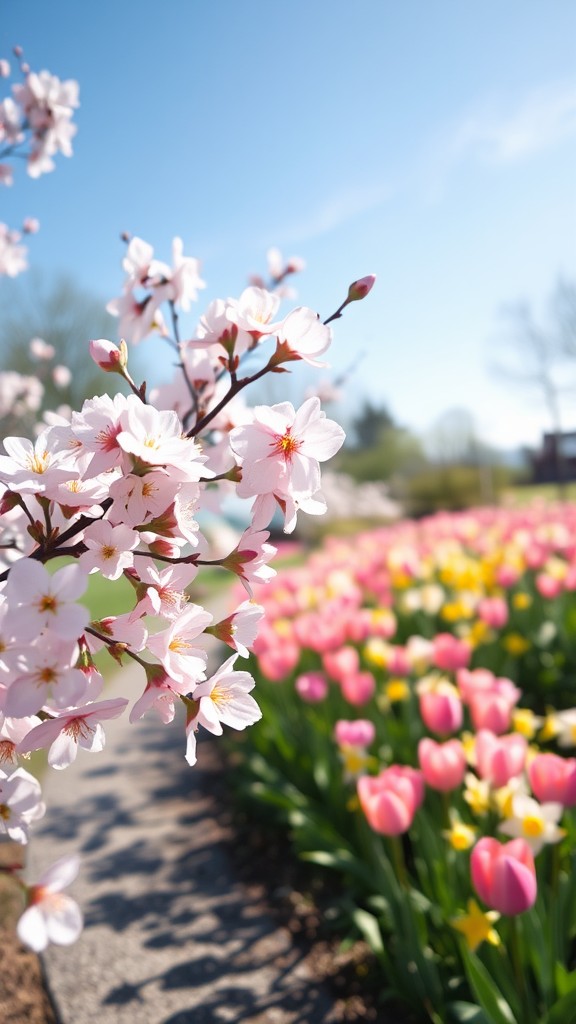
<point x="397" y="858"/>
<point x="519" y="975"/>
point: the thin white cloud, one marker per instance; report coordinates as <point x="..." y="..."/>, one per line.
<point x="545" y="118"/>
<point x="333" y="212"/>
<point x="498" y="133"/>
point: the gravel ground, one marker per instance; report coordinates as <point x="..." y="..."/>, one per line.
<point x="173" y="935"/>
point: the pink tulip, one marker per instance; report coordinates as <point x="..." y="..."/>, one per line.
<point x="357" y="733"/>
<point x="441" y="712"/>
<point x="473" y="681"/>
<point x="363" y="623"/>
<point x="449" y="653"/>
<point x="341" y="663"/>
<point x="500" y="758"/>
<point x="398" y="661"/>
<point x="443" y="764"/>
<point x="507" y="576"/>
<point x="548" y="586"/>
<point x="553" y="779"/>
<point x="311" y="687"/>
<point x="390" y="800"/>
<point x="358" y="688"/>
<point x="493" y="611"/>
<point x="279" y="660"/>
<point x="570" y="578"/>
<point x="491" y="711"/>
<point x="504" y="875"/>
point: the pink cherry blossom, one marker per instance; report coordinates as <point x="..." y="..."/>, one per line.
<point x="250" y="558"/>
<point x="20" y="804"/>
<point x="224" y="699"/>
<point x="176" y="649"/>
<point x="40" y="601"/>
<point x="254" y="311"/>
<point x="50" y="915"/>
<point x="304" y="335"/>
<point x="281" y="449"/>
<point x="39" y="466"/>
<point x="239" y="629"/>
<point x="70" y="729"/>
<point x="45" y="671"/>
<point x="155" y="438"/>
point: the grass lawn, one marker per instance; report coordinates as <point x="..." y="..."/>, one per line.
<point x="525" y="494"/>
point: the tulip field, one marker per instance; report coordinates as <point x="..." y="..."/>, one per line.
<point x="418" y="690"/>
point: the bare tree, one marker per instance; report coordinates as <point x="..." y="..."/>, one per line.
<point x="541" y="359"/>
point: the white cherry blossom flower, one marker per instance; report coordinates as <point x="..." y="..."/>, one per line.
<point x="51" y="916"/>
<point x="72" y="728"/>
<point x="224" y="699"/>
<point x="20" y="804"/>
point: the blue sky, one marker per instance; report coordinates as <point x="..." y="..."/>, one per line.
<point x="432" y="143"/>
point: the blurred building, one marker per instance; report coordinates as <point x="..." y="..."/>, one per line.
<point x="555" y="460"/>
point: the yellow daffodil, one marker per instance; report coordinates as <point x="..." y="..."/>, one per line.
<point x="477" y="794"/>
<point x="526" y="722"/>
<point x="397" y="690"/>
<point x="459" y="835"/>
<point x="534" y="822"/>
<point x="515" y="644"/>
<point x="375" y="652"/>
<point x="476" y="926"/>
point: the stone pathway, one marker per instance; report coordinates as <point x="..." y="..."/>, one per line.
<point x="171" y="936"/>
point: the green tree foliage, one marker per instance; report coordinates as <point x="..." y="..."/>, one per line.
<point x="379" y="449"/>
<point x="65" y="316"/>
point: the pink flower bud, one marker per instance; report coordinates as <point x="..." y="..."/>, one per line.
<point x="360" y="289"/>
<point x="108" y="356"/>
<point x="61" y="375"/>
<point x="504" y="875"/>
<point x="30" y="226"/>
<point x="443" y="764"/>
<point x="4" y="69"/>
<point x="553" y="779"/>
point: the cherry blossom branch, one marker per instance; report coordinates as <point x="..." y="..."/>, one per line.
<point x="234" y="389"/>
